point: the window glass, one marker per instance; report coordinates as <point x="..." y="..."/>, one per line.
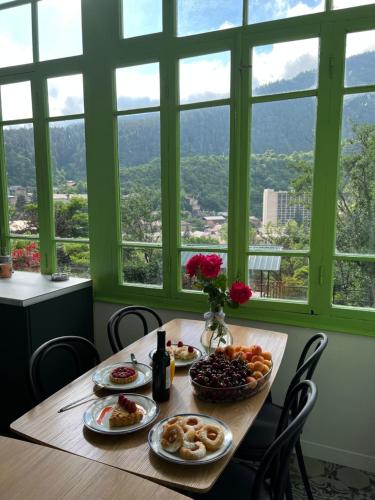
<point x="360" y="59"/>
<point x="269" y="10"/>
<point x="342" y="4"/>
<point x="142" y="17"/>
<point x="205" y="78"/>
<point x="65" y="95"/>
<point x="281" y="170"/>
<point x="74" y="258"/>
<point x="140" y="189"/>
<point x="60" y="28"/>
<point x="143" y="266"/>
<point x="355" y="221"/>
<point x="25" y="255"/>
<point x="16" y="36"/>
<point x="284" y="278"/>
<point x="285" y="67"/>
<point x="20" y="168"/>
<point x="354" y="284"/>
<point x="138" y="86"/>
<point x="204" y="175"/>
<point x="67" y="144"/>
<point x="195" y="16"/>
<point x="16" y="101"/>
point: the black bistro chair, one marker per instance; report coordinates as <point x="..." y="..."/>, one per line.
<point x="263" y="431"/>
<point x="116" y="318"/>
<point x="270" y="479"/>
<point x="59" y="361"/>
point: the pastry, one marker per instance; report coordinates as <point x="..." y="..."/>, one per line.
<point x="125" y="412"/>
<point x="181" y="351"/>
<point x="192" y="423"/>
<point x="194" y="452"/>
<point x="212" y="436"/>
<point x="123" y="375"/>
<point x="172" y="438"/>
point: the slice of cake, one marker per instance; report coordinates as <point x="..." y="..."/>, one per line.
<point x="125" y="412"/>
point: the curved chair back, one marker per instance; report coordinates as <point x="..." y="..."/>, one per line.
<point x="275" y="462"/>
<point x="116" y="318"/>
<point x="82" y="355"/>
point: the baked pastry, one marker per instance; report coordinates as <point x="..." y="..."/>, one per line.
<point x="125" y="412"/>
<point x="192" y="423"/>
<point x="193" y="451"/>
<point x="181" y="351"/>
<point x="123" y="375"/>
<point x="212" y="436"/>
<point x="172" y="438"/>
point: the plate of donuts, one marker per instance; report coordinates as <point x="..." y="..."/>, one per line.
<point x="190" y="439"/>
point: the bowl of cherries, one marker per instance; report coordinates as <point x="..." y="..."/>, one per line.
<point x="231" y="373"/>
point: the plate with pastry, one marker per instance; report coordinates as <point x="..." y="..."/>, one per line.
<point x="121" y="413"/>
<point x="123" y="376"/>
<point x="190" y="439"/>
<point x="184" y="355"/>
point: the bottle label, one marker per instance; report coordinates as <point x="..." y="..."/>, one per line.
<point x="167" y="377"/>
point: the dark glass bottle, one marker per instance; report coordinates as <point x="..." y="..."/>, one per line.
<point x="161" y="381"/>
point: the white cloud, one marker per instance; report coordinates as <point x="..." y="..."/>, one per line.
<point x="358" y="43"/>
<point x="139" y="82"/>
<point x="203" y="77"/>
<point x="16" y="101"/>
<point x="342" y="4"/>
<point x="226" y="25"/>
<point x="65" y="95"/>
<point x="302" y="9"/>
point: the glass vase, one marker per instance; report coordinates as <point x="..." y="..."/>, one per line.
<point x="216" y="332"/>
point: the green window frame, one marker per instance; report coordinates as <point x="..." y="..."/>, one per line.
<point x="105" y="50"/>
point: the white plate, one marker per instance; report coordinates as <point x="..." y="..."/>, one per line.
<point x="155" y="434"/>
<point x="96" y="417"/>
<point x="101" y="377"/>
<point x="180" y="363"/>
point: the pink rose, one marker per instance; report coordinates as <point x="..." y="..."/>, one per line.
<point x="239" y="292"/>
<point x="210" y="266"/>
<point x="192" y="265"/>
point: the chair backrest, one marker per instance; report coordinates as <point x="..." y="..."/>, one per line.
<point x="273" y="471"/>
<point x="116" y="318"/>
<point x="82" y="355"/>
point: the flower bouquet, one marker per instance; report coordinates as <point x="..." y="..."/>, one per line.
<point x="205" y="273"/>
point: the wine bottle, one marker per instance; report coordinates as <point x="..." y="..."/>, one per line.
<point x="161" y="371"/>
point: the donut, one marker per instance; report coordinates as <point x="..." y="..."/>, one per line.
<point x="175" y="420"/>
<point x="195" y="452"/>
<point x="212" y="436"/>
<point x="192" y="423"/>
<point x="172" y="438"/>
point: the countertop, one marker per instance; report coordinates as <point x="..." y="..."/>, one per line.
<point x="25" y="288"/>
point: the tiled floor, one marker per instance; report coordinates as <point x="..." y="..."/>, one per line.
<point x="333" y="482"/>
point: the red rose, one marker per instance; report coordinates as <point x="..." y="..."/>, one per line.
<point x="210" y="266"/>
<point x="192" y="265"/>
<point x="239" y="292"/>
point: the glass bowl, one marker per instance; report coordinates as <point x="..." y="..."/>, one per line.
<point x="228" y="394"/>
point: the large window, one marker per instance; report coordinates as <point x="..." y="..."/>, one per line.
<point x="136" y="133"/>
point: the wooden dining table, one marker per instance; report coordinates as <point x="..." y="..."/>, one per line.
<point x="131" y="452"/>
<point x="32" y="472"/>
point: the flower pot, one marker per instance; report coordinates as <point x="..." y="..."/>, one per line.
<point x="5" y="266"/>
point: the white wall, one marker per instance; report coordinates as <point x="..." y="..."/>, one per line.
<point x="341" y="427"/>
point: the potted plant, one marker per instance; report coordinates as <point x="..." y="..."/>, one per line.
<point x="5" y="264"/>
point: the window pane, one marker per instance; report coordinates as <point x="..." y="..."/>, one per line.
<point x="355" y="225"/>
<point x="25" y="255"/>
<point x="74" y="258"/>
<point x="281" y="170"/>
<point x="360" y="58"/>
<point x="342" y="4"/>
<point x="67" y="140"/>
<point x="143" y="266"/>
<point x="65" y="95"/>
<point x="142" y="17"/>
<point x="269" y="10"/>
<point x="60" y="28"/>
<point x="16" y="101"/>
<point x="205" y="78"/>
<point x="204" y="170"/>
<point x="16" y="36"/>
<point x="187" y="283"/>
<point x="354" y="284"/>
<point x="138" y="86"/>
<point x="285" y="67"/>
<point x="284" y="278"/>
<point x="195" y="16"/>
<point x="20" y="168"/>
<point x="139" y="157"/>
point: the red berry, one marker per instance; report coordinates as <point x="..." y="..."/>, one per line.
<point x="169" y="343"/>
<point x="191" y="348"/>
<point x="180" y="344"/>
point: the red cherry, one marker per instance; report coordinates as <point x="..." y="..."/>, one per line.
<point x="191" y="348"/>
<point x="169" y="343"/>
<point x="180" y="344"/>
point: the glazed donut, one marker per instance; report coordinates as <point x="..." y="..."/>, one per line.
<point x="192" y="423"/>
<point x="172" y="438"/>
<point x="175" y="420"/>
<point x="195" y="452"/>
<point x="212" y="436"/>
